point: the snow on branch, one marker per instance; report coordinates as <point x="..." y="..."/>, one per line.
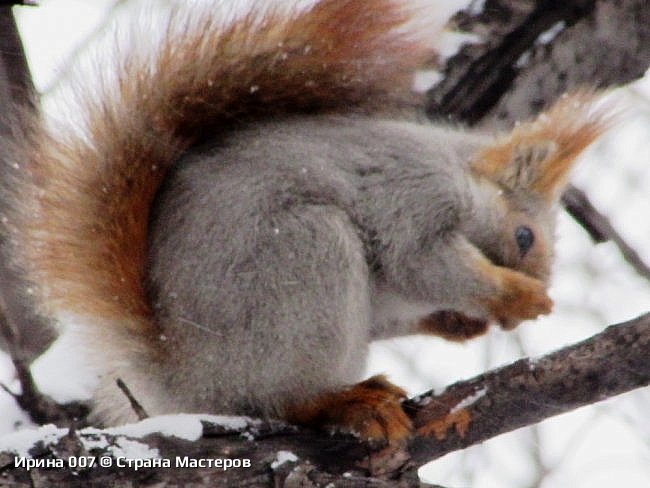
<point x="234" y="451"/>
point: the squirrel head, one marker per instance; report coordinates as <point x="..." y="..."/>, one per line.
<point x="524" y="174"/>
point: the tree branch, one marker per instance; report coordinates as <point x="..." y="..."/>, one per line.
<point x="31" y="3"/>
<point x="532" y="51"/>
<point x="468" y="412"/>
<point x="15" y="80"/>
<point x="22" y="332"/>
<point x="599" y="227"/>
<point x="481" y="74"/>
<point x="528" y="391"/>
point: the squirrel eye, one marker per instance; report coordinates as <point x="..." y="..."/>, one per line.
<point x="525" y="239"/>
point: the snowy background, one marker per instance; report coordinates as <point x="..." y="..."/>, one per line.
<point x="596" y="446"/>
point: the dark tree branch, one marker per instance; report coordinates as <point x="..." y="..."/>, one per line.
<point x="481" y="74"/>
<point x="23" y="333"/>
<point x="528" y="391"/>
<point x="15" y="80"/>
<point x="468" y="412"/>
<point x="31" y="3"/>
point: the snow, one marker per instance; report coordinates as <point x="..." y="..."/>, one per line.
<point x="476" y="7"/>
<point x="22" y="441"/>
<point x="447" y="45"/>
<point x="425" y="79"/>
<point x="470" y="400"/>
<point x="62" y="374"/>
<point x="544" y="38"/>
<point x="128" y="449"/>
<point x="12" y="417"/>
<point x="183" y="426"/>
<point x="548" y="35"/>
<point x="282" y="457"/>
<point x="523" y="60"/>
<point x="118" y="446"/>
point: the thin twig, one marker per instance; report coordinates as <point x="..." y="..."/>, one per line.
<point x="41" y="408"/>
<point x="30" y="3"/>
<point x="135" y="404"/>
<point x="599" y="227"/>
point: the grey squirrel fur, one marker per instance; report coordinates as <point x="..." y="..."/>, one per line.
<point x="274" y="244"/>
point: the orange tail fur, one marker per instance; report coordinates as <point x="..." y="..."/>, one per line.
<point x="81" y="199"/>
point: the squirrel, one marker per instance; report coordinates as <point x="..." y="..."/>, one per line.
<point x="241" y="212"/>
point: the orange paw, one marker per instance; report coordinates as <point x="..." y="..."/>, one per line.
<point x="520" y="298"/>
<point x="371" y="409"/>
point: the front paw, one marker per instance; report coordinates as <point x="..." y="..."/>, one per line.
<point x="452" y="325"/>
<point x="519" y="298"/>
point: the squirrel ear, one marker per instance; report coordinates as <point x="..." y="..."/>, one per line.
<point x="538" y="155"/>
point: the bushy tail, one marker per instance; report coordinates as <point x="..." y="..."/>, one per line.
<point x="81" y="199"/>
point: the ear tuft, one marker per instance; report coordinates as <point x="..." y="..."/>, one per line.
<point x="525" y="159"/>
<point x="538" y="155"/>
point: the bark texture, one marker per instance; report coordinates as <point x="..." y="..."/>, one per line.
<point x="21" y="331"/>
<point x="531" y="51"/>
